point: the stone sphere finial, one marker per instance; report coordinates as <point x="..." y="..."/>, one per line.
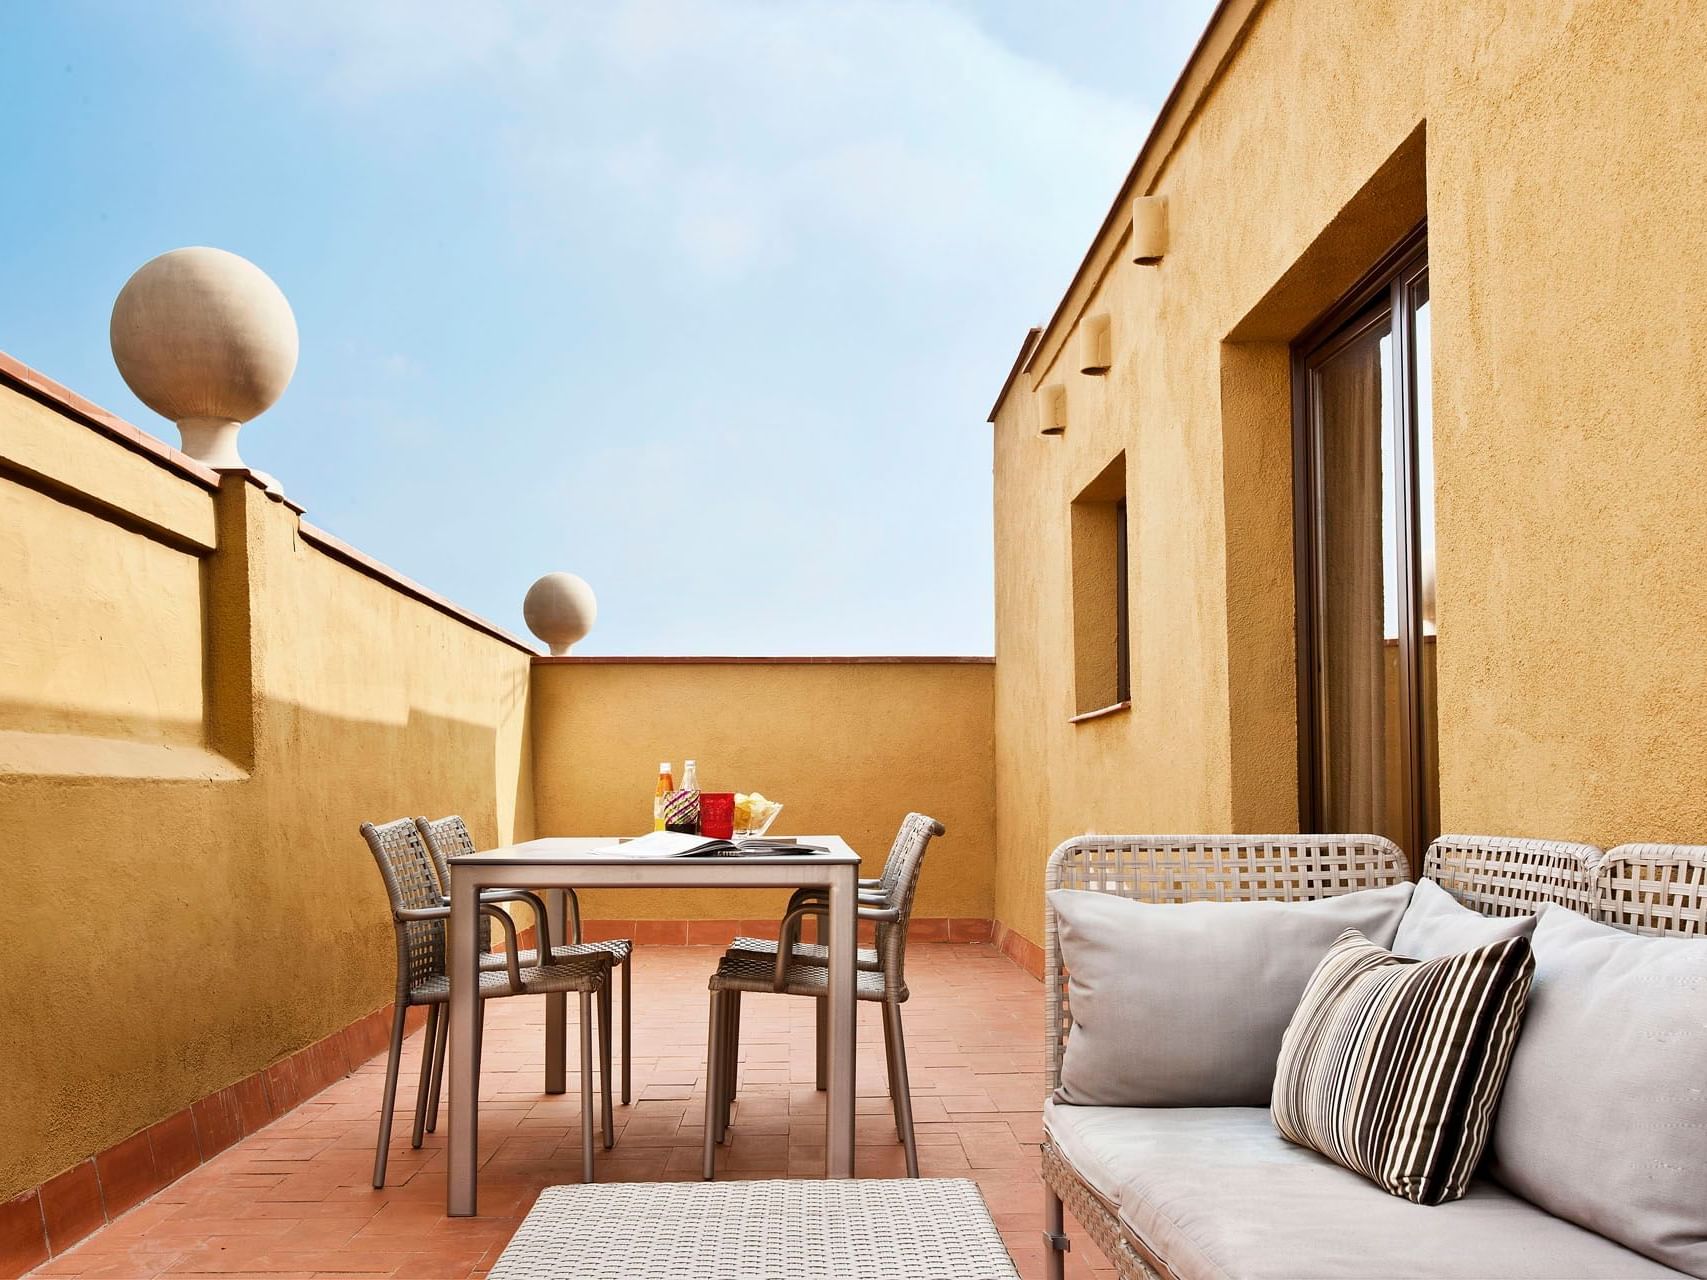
<point x="205" y="338"/>
<point x="560" y="609"/>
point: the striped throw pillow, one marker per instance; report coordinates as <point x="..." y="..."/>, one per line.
<point x="1392" y="1067"/>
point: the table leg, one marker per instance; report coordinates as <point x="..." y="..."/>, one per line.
<point x="556" y="1006"/>
<point x="464" y="971"/>
<point x="839" y="1138"/>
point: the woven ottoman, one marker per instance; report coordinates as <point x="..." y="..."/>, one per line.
<point x="806" y="1229"/>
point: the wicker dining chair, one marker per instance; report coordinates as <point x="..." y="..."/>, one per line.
<point x="748" y="971"/>
<point x="419" y="914"/>
<point x="872" y="893"/>
<point x="448" y="838"/>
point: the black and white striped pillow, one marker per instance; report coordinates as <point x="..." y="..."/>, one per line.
<point x="1391" y="1066"/>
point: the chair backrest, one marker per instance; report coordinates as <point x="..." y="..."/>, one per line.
<point x="1653" y="888"/>
<point x="909" y="856"/>
<point x="1656" y="889"/>
<point x="447" y="838"/>
<point x="1512" y="875"/>
<point x="1203" y="868"/>
<point x="411" y="884"/>
<point x="890" y="876"/>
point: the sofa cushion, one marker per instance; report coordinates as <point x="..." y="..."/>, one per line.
<point x="1436" y="924"/>
<point x="1391" y="1066"/>
<point x="1219" y="1195"/>
<point x="1604" y="1120"/>
<point x="1184" y="1004"/>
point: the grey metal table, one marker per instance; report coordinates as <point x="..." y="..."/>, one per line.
<point x="877" y="1229"/>
<point x="557" y="863"/>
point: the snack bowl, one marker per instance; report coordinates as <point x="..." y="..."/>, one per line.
<point x="754" y="814"/>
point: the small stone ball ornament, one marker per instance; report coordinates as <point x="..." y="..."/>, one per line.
<point x="205" y="338"/>
<point x="560" y="609"/>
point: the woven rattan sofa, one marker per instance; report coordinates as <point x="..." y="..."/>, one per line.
<point x="1173" y="1195"/>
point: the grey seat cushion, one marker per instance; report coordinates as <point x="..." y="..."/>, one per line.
<point x="1218" y="1194"/>
<point x="1604" y="1119"/>
<point x="1184" y="1004"/>
<point x="1436" y="924"/>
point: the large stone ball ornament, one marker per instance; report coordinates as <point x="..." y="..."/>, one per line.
<point x="560" y="609"/>
<point x="205" y="338"/>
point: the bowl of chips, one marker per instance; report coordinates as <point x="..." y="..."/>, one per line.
<point x="754" y="814"/>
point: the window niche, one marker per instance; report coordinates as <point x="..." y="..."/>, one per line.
<point x="1102" y="665"/>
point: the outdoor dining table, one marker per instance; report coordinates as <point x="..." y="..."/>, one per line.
<point x="555" y="864"/>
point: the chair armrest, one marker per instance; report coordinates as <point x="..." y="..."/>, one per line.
<point x="788" y="935"/>
<point x="541" y="924"/>
<point x="423" y="913"/>
<point x="867" y="897"/>
<point x="486" y="908"/>
<point x="510" y="946"/>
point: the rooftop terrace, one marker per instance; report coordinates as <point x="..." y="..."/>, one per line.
<point x="293" y="1198"/>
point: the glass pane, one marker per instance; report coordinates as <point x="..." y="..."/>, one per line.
<point x="1358" y="675"/>
<point x="1424" y="352"/>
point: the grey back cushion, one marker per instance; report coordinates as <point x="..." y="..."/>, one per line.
<point x="1436" y="924"/>
<point x="1604" y="1120"/>
<point x="1185" y="1004"/>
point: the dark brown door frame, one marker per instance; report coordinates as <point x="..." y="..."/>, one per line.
<point x="1384" y="295"/>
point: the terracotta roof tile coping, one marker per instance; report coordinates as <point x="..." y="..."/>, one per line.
<point x="364" y="563"/>
<point x="38" y="386"/>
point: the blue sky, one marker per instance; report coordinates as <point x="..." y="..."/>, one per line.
<point x="704" y="302"/>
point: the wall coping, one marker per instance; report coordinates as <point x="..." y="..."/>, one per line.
<point x="730" y="660"/>
<point x="16" y="374"/>
<point x="361" y="562"/>
<point x="1211" y="56"/>
<point x="38" y="386"/>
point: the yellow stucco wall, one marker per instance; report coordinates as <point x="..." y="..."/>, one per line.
<point x="198" y="706"/>
<point x="849" y="747"/>
<point x="1550" y="146"/>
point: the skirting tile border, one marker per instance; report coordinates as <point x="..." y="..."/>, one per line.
<point x="720" y="933"/>
<point x="1018" y="948"/>
<point x="43" y="1222"/>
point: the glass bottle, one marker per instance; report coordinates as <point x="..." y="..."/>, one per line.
<point x="684" y="805"/>
<point x="666" y="784"/>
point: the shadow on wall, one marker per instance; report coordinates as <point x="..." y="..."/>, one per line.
<point x="200" y="929"/>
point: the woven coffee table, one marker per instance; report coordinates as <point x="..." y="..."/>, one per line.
<point x="867" y="1229"/>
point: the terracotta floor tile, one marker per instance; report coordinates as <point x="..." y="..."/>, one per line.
<point x="294" y="1197"/>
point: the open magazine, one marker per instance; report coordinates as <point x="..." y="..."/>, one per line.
<point x="676" y="844"/>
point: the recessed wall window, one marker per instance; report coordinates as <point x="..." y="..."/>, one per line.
<point x="1102" y="662"/>
<point x="1368" y="746"/>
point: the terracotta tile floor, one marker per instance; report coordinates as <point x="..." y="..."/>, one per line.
<point x="295" y="1199"/>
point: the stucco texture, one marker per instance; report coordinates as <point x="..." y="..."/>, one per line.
<point x="1550" y="146"/>
<point x="201" y="707"/>
<point x="848" y="747"/>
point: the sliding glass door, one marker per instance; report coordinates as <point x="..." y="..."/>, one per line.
<point x="1364" y="499"/>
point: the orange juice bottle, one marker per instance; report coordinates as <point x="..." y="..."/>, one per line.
<point x="666" y="784"/>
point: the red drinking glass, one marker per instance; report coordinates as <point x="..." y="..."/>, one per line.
<point x="717" y="814"/>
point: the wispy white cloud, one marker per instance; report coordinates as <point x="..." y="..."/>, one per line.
<point x="727" y="284"/>
<point x="735" y="137"/>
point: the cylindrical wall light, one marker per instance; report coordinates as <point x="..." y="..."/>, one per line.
<point x="1052" y="409"/>
<point x="1149" y="229"/>
<point x="1096" y="343"/>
